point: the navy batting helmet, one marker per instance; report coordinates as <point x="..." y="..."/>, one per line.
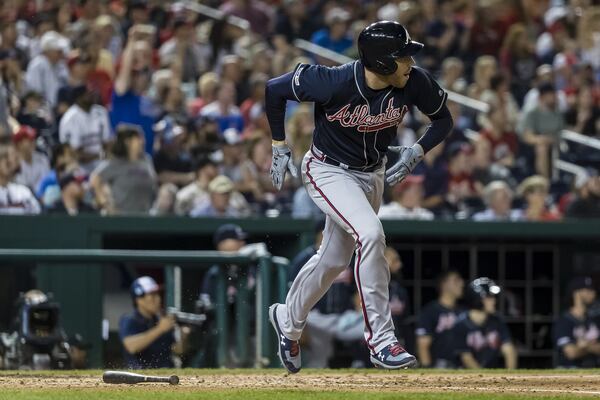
<point x="381" y="43"/>
<point x="479" y="289"/>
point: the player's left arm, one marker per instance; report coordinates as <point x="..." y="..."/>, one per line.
<point x="509" y="352"/>
<point x="510" y="355"/>
<point x="426" y="94"/>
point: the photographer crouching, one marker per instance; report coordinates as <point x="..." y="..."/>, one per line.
<point x="148" y="336"/>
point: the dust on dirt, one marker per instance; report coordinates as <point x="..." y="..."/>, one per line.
<point x="426" y="382"/>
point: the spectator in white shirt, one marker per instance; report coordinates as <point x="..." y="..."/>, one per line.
<point x="86" y="127"/>
<point x="498" y="199"/>
<point x="33" y="164"/>
<point x="407" y="197"/>
<point x="47" y="72"/>
<point x="15" y="199"/>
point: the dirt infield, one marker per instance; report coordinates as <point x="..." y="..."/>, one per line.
<point x="586" y="383"/>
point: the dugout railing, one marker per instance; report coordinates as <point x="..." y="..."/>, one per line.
<point x="271" y="285"/>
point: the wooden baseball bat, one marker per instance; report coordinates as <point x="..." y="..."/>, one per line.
<point x="118" y="377"/>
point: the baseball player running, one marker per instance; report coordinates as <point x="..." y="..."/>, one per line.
<point x="357" y="109"/>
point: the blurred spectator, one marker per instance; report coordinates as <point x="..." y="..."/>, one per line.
<point x="219" y="203"/>
<point x="303" y="206"/>
<point x="587" y="202"/>
<point x="33" y="165"/>
<point x="436" y="321"/>
<point x="335" y="36"/>
<point x="196" y="192"/>
<point x="541" y="128"/>
<point x="130" y="104"/>
<point x="434" y="170"/>
<point x="258" y="84"/>
<point x="10" y="46"/>
<point x="72" y="200"/>
<point x="15" y="198"/>
<point x="299" y="131"/>
<point x="584" y="115"/>
<point x="544" y="74"/>
<point x="165" y="200"/>
<point x="407" y="197"/>
<point x="518" y="60"/>
<point x="126" y="183"/>
<point x="576" y="337"/>
<point x="445" y="35"/>
<point x="208" y="84"/>
<point x="86" y="127"/>
<point x="233" y="155"/>
<point x="452" y="77"/>
<point x="79" y="68"/>
<point x="183" y="45"/>
<point x="481" y="336"/>
<point x="173" y="162"/>
<point x="35" y="113"/>
<point x="462" y="187"/>
<point x="535" y="192"/>
<point x="496" y="144"/>
<point x="588" y="38"/>
<point x="47" y="72"/>
<point x="256" y="12"/>
<point x="293" y="21"/>
<point x="498" y="199"/>
<point x="485" y="68"/>
<point x="499" y="96"/>
<point x="224" y="110"/>
<point x="256" y="182"/>
<point x="63" y="158"/>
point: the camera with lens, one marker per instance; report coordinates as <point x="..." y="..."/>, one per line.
<point x="37" y="340"/>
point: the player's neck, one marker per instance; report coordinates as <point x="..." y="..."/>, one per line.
<point x="374" y="81"/>
<point x="447" y="301"/>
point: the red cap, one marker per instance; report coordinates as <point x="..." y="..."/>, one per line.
<point x="409" y="180"/>
<point x="24" y="132"/>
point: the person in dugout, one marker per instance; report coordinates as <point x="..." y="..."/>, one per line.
<point x="482" y="337"/>
<point x="575" y="333"/>
<point x="147" y="336"/>
<point x="436" y="321"/>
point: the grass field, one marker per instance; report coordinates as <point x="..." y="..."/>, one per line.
<point x="319" y="384"/>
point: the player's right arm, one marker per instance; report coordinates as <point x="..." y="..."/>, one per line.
<point x="423" y="350"/>
<point x="469" y="361"/>
<point x="424" y="332"/>
<point x="305" y="83"/>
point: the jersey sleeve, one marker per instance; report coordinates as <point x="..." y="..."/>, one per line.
<point x="424" y="92"/>
<point x="312" y="83"/>
<point x="426" y="323"/>
<point x="505" y="336"/>
<point x="563" y="333"/>
<point x="459" y="339"/>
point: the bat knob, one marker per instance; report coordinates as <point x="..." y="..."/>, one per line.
<point x="173" y="380"/>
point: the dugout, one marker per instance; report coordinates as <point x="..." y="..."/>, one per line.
<point x="532" y="261"/>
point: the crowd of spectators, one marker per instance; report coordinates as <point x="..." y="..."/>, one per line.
<point x="148" y="107"/>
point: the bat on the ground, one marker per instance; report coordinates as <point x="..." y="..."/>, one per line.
<point x="118" y="377"/>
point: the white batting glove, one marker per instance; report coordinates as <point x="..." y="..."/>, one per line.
<point x="408" y="160"/>
<point x="282" y="162"/>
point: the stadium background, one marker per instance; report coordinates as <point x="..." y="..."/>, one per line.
<point x="492" y="52"/>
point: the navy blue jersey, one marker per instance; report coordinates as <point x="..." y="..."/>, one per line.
<point x="353" y="123"/>
<point x="437" y="321"/>
<point x="568" y="330"/>
<point x="484" y="342"/>
<point x="157" y="355"/>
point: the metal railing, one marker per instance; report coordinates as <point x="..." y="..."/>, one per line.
<point x="265" y="294"/>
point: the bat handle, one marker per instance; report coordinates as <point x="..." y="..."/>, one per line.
<point x="172" y="380"/>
